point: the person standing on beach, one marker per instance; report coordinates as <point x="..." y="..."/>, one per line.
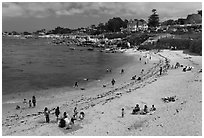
<point x="57" y="112"/>
<point x="123" y="112"/>
<point x="34" y="101"/>
<point x="30" y="104"/>
<point x="65" y="115"/>
<point x="75" y="112"/>
<point x="46" y="113"/>
<point x="160" y="71"/>
<point x="122" y="71"/>
<point x="142" y="71"/>
<point x="113" y="82"/>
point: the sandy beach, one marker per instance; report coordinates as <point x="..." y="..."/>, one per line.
<point x="102" y="105"/>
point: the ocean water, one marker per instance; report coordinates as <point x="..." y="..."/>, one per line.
<point x="34" y="64"/>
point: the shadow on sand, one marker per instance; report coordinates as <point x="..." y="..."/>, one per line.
<point x="190" y="53"/>
<point x="75" y="127"/>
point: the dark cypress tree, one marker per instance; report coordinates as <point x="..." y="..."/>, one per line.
<point x="153" y="20"/>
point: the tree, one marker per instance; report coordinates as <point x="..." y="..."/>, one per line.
<point x="101" y="27"/>
<point x="115" y="24"/>
<point x="169" y="22"/>
<point x="181" y="21"/>
<point x="153" y="20"/>
<point x="200" y="12"/>
<point x="125" y="23"/>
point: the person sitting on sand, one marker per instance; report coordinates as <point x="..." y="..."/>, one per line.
<point x="17" y="107"/>
<point x="133" y="77"/>
<point x="61" y="123"/>
<point x="57" y="112"/>
<point x="113" y="82"/>
<point x="139" y="78"/>
<point x="46" y="113"/>
<point x="152" y="108"/>
<point x="145" y="110"/>
<point x="184" y="69"/>
<point x="177" y="65"/>
<point x="81" y="115"/>
<point x="136" y="109"/>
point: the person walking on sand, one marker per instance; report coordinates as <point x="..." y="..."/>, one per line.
<point x="160" y="71"/>
<point x="113" y="82"/>
<point x="57" y="112"/>
<point x="34" y="101"/>
<point x="46" y="113"/>
<point x="76" y="84"/>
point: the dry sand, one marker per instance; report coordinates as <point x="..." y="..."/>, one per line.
<point x="102" y="106"/>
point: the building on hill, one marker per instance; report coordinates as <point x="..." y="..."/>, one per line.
<point x="137" y="25"/>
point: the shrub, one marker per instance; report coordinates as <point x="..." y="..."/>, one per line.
<point x="196" y="46"/>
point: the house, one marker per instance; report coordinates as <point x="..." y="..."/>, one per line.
<point x="137" y="25"/>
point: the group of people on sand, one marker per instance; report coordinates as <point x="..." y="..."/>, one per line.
<point x="143" y="111"/>
<point x="65" y="121"/>
<point x="186" y="68"/>
<point x="31" y="103"/>
<point x="138" y="111"/>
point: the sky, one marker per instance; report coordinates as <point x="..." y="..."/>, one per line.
<point x="32" y="16"/>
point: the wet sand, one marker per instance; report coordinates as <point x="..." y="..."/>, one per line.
<point x="102" y="105"/>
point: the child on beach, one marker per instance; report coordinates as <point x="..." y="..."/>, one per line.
<point x="34" y="101"/>
<point x="46" y="113"/>
<point x="57" y="112"/>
